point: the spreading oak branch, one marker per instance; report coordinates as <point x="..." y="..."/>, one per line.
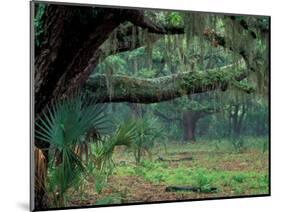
<point x="120" y="88"/>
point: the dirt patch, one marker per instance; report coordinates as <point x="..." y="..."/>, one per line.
<point x="133" y="189"/>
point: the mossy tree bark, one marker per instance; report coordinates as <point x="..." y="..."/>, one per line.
<point x="68" y="51"/>
<point x="138" y="90"/>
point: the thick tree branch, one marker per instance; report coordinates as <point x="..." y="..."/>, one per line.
<point x="120" y="88"/>
<point x="70" y="49"/>
<point x="138" y="18"/>
<point x="126" y="41"/>
<point x="219" y="40"/>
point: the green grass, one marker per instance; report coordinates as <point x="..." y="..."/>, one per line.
<point x="231" y="172"/>
<point x="203" y="178"/>
<point x="215" y="164"/>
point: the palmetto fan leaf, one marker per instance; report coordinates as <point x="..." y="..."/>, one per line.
<point x="126" y="133"/>
<point x="65" y="122"/>
<point x="104" y="148"/>
<point x="64" y="125"/>
<point x="147" y="133"/>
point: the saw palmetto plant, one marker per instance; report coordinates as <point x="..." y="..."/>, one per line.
<point x="148" y="132"/>
<point x="64" y="126"/>
<point x="125" y="134"/>
<point x="103" y="149"/>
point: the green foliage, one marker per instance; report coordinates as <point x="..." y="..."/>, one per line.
<point x="103" y="149"/>
<point x="238" y="143"/>
<point x="146" y="73"/>
<point x="240" y="178"/>
<point x="265" y="146"/>
<point x="64" y="176"/>
<point x="203" y="181"/>
<point x="230" y="172"/>
<point x="100" y="179"/>
<point x="175" y="19"/>
<point x="101" y="159"/>
<point x="148" y="131"/>
<point x="111" y="199"/>
<point x="38" y="30"/>
<point x="115" y="63"/>
<point x="64" y="125"/>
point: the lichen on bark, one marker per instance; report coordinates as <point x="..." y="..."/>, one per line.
<point x="140" y="90"/>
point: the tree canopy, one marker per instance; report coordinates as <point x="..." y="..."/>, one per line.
<point x="72" y="41"/>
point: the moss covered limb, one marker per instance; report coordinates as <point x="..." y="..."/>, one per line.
<point x="243" y="86"/>
<point x="220" y="40"/>
<point x="139" y="90"/>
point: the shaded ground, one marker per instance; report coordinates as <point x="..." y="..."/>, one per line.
<point x="234" y="174"/>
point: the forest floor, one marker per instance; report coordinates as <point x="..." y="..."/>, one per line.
<point x="213" y="165"/>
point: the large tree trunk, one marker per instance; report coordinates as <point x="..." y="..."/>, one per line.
<point x="189" y="130"/>
<point x="41" y="166"/>
<point x="236" y="119"/>
<point x="189" y="121"/>
<point x="68" y="51"/>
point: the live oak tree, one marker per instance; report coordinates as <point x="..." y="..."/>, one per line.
<point x="70" y="41"/>
<point x="187" y="112"/>
<point x="127" y="79"/>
